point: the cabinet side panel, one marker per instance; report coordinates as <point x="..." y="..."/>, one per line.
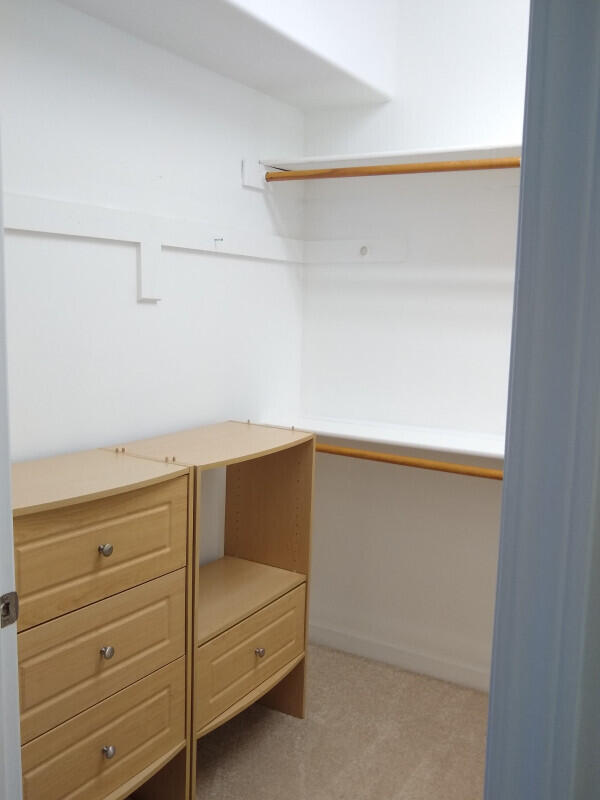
<point x="268" y="508"/>
<point x="169" y="783"/>
<point x="290" y="693"/>
<point x="268" y="518"/>
<point x="177" y="779"/>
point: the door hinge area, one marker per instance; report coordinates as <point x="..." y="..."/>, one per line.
<point x="9" y="608"/>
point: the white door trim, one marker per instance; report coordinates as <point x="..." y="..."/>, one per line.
<point x="10" y="749"/>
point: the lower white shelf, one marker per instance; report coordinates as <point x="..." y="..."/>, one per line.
<point x="442" y="439"/>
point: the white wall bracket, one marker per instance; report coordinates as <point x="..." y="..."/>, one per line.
<point x="150" y="234"/>
<point x="148" y="270"/>
<point x="356" y="251"/>
<point x="253" y="174"/>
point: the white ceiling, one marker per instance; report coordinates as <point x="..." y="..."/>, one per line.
<point x="232" y="42"/>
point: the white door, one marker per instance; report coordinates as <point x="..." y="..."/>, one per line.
<point x="10" y="751"/>
<point x="544" y="732"/>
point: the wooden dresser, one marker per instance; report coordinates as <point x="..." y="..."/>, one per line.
<point x="101" y="554"/>
<point x="251" y="606"/>
<point x="128" y="654"/>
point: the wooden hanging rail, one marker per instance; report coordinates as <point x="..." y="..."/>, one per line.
<point x="407" y="461"/>
<point x="393" y="169"/>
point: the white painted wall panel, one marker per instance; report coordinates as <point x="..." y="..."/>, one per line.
<point x="460" y="81"/>
<point x="424" y="341"/>
<point x="88" y="365"/>
<point x="92" y="115"/>
<point x="405" y="561"/>
<point x="404" y="566"/>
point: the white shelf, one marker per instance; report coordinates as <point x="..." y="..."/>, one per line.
<point x="401" y="157"/>
<point x="228" y="38"/>
<point x="440" y="439"/>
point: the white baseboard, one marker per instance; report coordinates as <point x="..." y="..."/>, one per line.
<point x="469" y="675"/>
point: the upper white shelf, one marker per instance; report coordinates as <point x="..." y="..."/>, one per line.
<point x="390" y="157"/>
<point x="256" y="49"/>
<point x="440" y="439"/>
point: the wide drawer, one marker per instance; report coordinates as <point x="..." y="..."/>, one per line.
<point x="59" y="567"/>
<point x="63" y="664"/>
<point x="237" y="661"/>
<point x="142" y="723"/>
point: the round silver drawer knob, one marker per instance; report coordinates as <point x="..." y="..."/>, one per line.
<point x="107" y="652"/>
<point x="109" y="750"/>
<point x="260" y="652"/>
<point x="105" y="550"/>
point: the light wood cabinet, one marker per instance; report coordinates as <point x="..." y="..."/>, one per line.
<point x="128" y="651"/>
<point x="99" y="750"/>
<point x="70" y="663"/>
<point x="238" y="661"/>
<point x="267" y="535"/>
<point x="104" y="635"/>
<point x="72" y="556"/>
<point x="231" y="589"/>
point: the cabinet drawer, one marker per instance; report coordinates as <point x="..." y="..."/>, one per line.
<point x="142" y="723"/>
<point x="58" y="564"/>
<point x="62" y="670"/>
<point x="228" y="667"/>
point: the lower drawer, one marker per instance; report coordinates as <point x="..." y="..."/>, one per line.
<point x="62" y="669"/>
<point x="236" y="662"/>
<point x="142" y="723"/>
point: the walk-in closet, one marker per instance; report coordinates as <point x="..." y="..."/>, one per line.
<point x="259" y="287"/>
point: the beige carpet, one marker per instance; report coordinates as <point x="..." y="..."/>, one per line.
<point x="372" y="732"/>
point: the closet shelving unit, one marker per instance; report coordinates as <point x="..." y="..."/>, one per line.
<point x="129" y="650"/>
<point x="385" y="164"/>
<point x="438" y="440"/>
<point x="442" y="440"/>
<point x="392" y="163"/>
<point x="249" y="609"/>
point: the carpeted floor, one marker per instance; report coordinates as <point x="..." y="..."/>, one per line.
<point x="372" y="732"/>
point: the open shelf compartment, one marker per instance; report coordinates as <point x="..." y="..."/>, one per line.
<point x="231" y="589"/>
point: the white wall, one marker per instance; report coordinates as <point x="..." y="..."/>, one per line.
<point x="423" y="340"/>
<point x="92" y="115"/>
<point x="405" y="561"/>
<point x="460" y="81"/>
<point x="404" y="566"/>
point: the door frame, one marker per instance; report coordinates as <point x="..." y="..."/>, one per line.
<point x="10" y="736"/>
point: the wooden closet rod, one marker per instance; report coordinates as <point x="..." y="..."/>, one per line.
<point x="393" y="169"/>
<point x="406" y="461"/>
